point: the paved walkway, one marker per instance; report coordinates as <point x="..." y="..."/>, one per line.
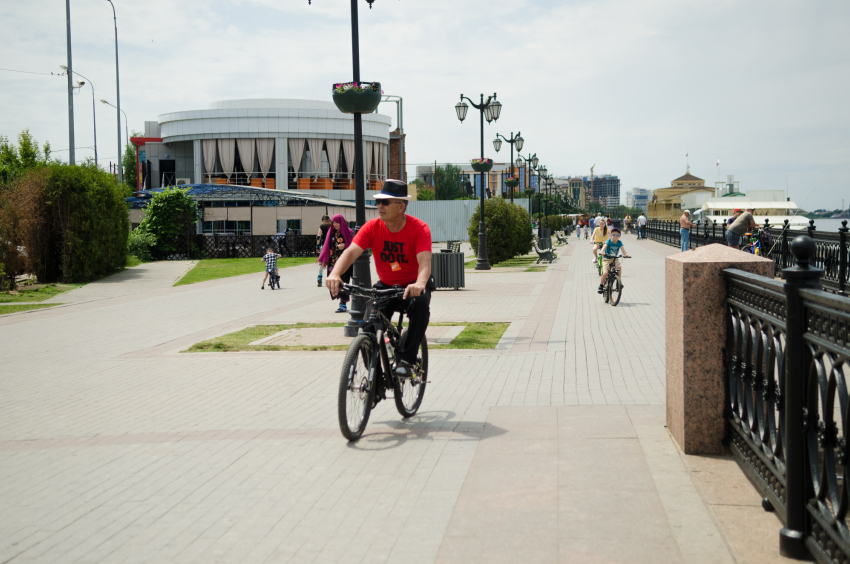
<point x="115" y="447"/>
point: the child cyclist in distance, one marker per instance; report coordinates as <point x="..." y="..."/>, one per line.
<point x="600" y="235"/>
<point x="612" y="248"/>
<point x="270" y="259"/>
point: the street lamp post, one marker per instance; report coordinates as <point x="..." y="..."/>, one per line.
<point x="126" y="130"/>
<point x="492" y="108"/>
<point x="72" y="153"/>
<point x="117" y="94"/>
<point x="93" y="113"/>
<point x="530" y="164"/>
<point x="518" y="141"/>
<point x="541" y="182"/>
<point x="361" y="276"/>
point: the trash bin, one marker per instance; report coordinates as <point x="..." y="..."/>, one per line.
<point x="544" y="242"/>
<point x="447" y="270"/>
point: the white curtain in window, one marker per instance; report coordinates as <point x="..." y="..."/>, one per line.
<point x="246" y="155"/>
<point x="296" y="151"/>
<point x="209" y="155"/>
<point x="316" y="154"/>
<point x="265" y="150"/>
<point x="332" y="146"/>
<point x="367" y="158"/>
<point x="226" y="154"/>
<point x="348" y="152"/>
<point x="382" y="158"/>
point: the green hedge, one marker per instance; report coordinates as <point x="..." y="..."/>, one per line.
<point x="75" y="222"/>
<point x="508" y="230"/>
<point x="170" y="217"/>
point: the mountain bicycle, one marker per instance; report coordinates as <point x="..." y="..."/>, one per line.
<point x="368" y="369"/>
<point x="756" y="243"/>
<point x="613" y="289"/>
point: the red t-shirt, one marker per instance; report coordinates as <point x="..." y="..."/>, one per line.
<point x="395" y="253"/>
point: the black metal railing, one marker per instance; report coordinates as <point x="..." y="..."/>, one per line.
<point x="787" y="362"/>
<point x="831" y="247"/>
<point x="240" y="246"/>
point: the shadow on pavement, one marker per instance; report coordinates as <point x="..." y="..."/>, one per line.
<point x="428" y="425"/>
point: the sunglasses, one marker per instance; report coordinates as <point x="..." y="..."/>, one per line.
<point x="385" y="203"/>
<point x="615" y="234"/>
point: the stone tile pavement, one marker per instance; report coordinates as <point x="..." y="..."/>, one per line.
<point x="115" y="447"/>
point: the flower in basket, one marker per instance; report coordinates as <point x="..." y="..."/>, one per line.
<point x="482" y="161"/>
<point x="355" y="86"/>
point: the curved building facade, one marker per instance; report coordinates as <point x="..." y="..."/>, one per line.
<point x="264" y="143"/>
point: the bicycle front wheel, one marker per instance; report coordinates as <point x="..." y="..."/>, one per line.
<point x="615" y="290"/>
<point x="410" y="391"/>
<point x="355" y="391"/>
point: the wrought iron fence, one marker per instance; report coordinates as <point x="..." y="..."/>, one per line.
<point x="240" y="246"/>
<point x="830" y="256"/>
<point x="787" y="401"/>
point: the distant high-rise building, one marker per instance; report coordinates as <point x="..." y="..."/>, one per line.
<point x="604" y="189"/>
<point x="638" y="198"/>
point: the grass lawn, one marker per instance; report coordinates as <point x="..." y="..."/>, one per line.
<point x="132" y="261"/>
<point x="536" y="269"/>
<point x="15" y="308"/>
<point x="512" y="262"/>
<point x="474" y="336"/>
<point x="212" y="269"/>
<point x="35" y="293"/>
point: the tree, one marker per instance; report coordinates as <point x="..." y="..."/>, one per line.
<point x="449" y="183"/>
<point x="171" y="216"/>
<point x="508" y="230"/>
<point x="425" y="194"/>
<point x="131" y="167"/>
<point x="15" y="161"/>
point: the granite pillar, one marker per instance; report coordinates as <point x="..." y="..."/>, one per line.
<point x="695" y="338"/>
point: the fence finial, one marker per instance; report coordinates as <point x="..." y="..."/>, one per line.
<point x="803" y="248"/>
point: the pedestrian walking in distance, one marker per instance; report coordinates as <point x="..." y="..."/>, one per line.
<point x="337" y="240"/>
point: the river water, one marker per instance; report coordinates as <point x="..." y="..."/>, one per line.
<point x="830" y="225"/>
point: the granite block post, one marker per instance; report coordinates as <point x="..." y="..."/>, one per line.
<point x="695" y="337"/>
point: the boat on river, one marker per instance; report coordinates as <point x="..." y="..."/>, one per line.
<point x="776" y="212"/>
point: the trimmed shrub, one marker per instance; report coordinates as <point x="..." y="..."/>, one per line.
<point x="170" y="218"/>
<point x="140" y="243"/>
<point x="73" y="222"/>
<point x="508" y="230"/>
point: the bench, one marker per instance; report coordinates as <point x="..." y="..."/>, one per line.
<point x="543" y="254"/>
<point x="562" y="238"/>
<point x="451" y="247"/>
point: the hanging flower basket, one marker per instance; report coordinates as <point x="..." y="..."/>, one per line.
<point x="482" y="165"/>
<point x="512" y="182"/>
<point x="357" y="97"/>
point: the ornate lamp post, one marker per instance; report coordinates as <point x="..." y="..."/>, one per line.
<point x="530" y="164"/>
<point x="541" y="184"/>
<point x="490" y="111"/>
<point x="518" y="141"/>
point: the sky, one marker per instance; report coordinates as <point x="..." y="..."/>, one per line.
<point x="632" y="87"/>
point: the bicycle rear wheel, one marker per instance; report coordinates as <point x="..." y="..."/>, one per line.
<point x="410" y="391"/>
<point x="355" y="393"/>
<point x="615" y="290"/>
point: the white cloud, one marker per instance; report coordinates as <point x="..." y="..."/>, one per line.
<point x="630" y="86"/>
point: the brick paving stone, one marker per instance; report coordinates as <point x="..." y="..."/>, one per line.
<point x="115" y="447"/>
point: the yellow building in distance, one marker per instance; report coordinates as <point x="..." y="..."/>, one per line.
<point x="667" y="202"/>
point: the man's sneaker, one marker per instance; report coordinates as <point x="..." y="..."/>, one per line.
<point x="599" y="290"/>
<point x="342" y="309"/>
<point x="263" y="287"/>
<point x="593" y="260"/>
<point x="404" y="369"/>
<point x="320" y="283"/>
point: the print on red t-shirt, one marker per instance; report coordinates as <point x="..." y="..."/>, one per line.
<point x="395" y="253"/>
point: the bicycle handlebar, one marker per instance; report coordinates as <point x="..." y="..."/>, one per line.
<point x="615" y="257"/>
<point x="370" y="293"/>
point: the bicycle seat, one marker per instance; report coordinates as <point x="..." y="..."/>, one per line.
<point x="748" y="234"/>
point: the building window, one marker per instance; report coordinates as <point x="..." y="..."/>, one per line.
<point x="227" y="228"/>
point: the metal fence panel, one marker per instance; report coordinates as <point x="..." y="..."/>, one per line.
<point x="449" y="219"/>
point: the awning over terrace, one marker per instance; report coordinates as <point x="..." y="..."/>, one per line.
<point x="256" y="196"/>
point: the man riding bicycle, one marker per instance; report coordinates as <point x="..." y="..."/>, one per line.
<point x="401" y="245"/>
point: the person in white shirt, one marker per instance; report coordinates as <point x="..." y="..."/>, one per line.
<point x="641" y="221"/>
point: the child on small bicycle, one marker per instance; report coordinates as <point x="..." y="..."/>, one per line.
<point x="611" y="248"/>
<point x="271" y="273"/>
